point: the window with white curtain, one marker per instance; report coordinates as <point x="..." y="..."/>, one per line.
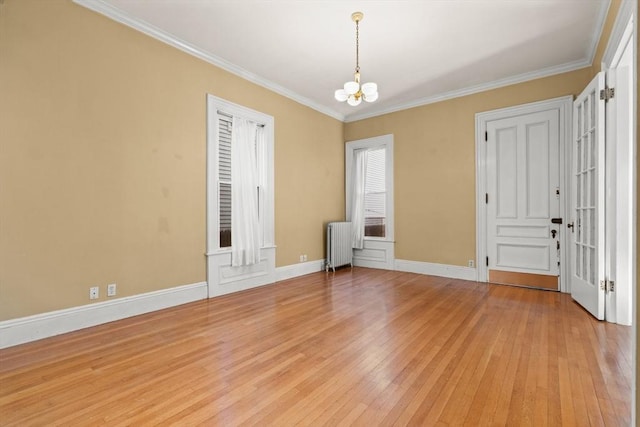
<point x="225" y="150"/>
<point x="242" y="169"/>
<point x="369" y="189"/>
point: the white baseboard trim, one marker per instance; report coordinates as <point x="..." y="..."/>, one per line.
<point x="295" y="270"/>
<point x="44" y="325"/>
<point x="432" y="269"/>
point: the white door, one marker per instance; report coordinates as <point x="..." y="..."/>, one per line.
<point x="587" y="218"/>
<point x="523" y="199"/>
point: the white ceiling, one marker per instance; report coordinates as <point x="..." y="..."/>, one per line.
<point x="417" y="51"/>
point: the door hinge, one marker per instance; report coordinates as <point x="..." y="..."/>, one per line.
<point x="486" y="198"/>
<point x="487" y="261"/>
<point x="486" y="136"/>
<point x="607" y="285"/>
<point x="607" y="93"/>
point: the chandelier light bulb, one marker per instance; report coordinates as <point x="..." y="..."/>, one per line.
<point x="353" y="92"/>
<point x="351" y="88"/>
<point x="341" y="95"/>
<point x="369" y="88"/>
<point x="353" y="101"/>
<point x="371" y="98"/>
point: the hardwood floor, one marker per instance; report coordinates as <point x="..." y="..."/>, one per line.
<point x="358" y="347"/>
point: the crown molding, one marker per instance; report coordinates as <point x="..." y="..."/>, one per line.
<point x="595" y="39"/>
<point x="621" y="25"/>
<point x="123" y="17"/>
<point x="470" y="90"/>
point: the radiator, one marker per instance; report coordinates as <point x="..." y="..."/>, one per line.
<point x="339" y="250"/>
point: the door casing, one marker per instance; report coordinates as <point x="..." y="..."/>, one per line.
<point x="564" y="107"/>
<point x="620" y="174"/>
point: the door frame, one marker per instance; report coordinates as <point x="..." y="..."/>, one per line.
<point x="629" y="11"/>
<point x="619" y="303"/>
<point x="564" y="105"/>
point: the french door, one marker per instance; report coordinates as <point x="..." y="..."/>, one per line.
<point x="588" y="184"/>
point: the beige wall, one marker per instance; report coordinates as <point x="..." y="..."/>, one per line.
<point x="102" y="160"/>
<point x="435" y="218"/>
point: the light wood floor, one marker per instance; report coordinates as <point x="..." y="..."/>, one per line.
<point x="361" y="347"/>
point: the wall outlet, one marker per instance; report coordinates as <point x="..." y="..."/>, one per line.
<point x="304" y="257"/>
<point x="472" y="263"/>
<point x="94" y="292"/>
<point x="111" y="290"/>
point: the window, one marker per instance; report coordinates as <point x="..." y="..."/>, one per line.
<point x="225" y="131"/>
<point x="378" y="186"/>
<point x="224" y="178"/>
<point x="375" y="194"/>
<point x="227" y="122"/>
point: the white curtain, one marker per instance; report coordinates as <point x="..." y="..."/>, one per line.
<point x="266" y="237"/>
<point x="358" y="179"/>
<point x="245" y="227"/>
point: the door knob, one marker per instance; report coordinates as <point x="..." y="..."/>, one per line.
<point x="570" y="225"/>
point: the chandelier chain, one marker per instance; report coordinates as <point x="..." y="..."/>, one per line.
<point x="357" y="46"/>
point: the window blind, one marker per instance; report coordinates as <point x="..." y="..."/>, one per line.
<point x="375" y="194"/>
<point x="224" y="178"/>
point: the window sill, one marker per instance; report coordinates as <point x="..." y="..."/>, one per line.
<point x="228" y="250"/>
<point x="379" y="239"/>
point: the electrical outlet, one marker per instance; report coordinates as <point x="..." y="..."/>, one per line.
<point x="304" y="257"/>
<point x="94" y="292"/>
<point x="111" y="290"/>
<point x="472" y="263"/>
<point x="301" y="258"/>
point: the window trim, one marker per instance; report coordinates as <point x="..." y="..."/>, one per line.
<point x="386" y="142"/>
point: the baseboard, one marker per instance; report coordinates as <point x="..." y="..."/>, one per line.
<point x="433" y="269"/>
<point x="442" y="270"/>
<point x="295" y="270"/>
<point x="31" y="328"/>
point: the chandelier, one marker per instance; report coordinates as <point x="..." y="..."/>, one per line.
<point x="353" y="92"/>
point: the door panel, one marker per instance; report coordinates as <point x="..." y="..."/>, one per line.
<point x="538" y="171"/>
<point x="587" y="265"/>
<point x="506" y="160"/>
<point x="521" y="254"/>
<point x="523" y="182"/>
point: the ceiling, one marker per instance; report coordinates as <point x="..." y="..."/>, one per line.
<point x="417" y="51"/>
